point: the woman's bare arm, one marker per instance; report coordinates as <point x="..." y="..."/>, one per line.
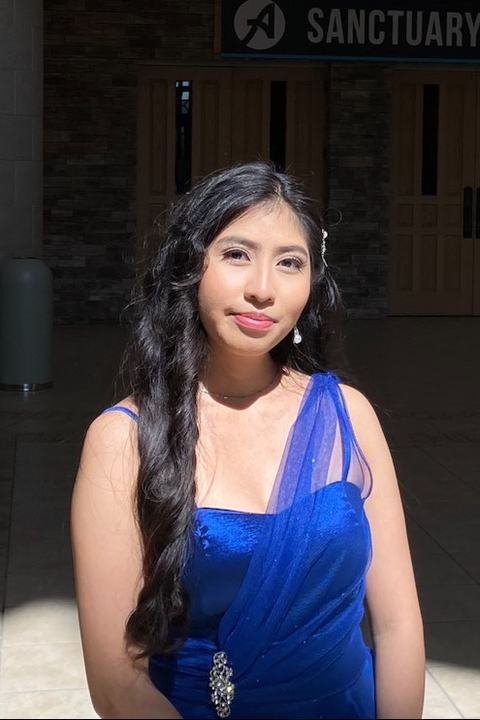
<point x="392" y="600"/>
<point x="107" y="564"/>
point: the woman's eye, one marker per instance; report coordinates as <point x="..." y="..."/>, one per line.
<point x="235" y="255"/>
<point x="292" y="263"/>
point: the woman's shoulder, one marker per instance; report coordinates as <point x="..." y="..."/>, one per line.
<point x="113" y="426"/>
<point x="356" y="400"/>
<point x="109" y="456"/>
<point x="363" y="417"/>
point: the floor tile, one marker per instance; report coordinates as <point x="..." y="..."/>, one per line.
<point x="455" y="532"/>
<point x="470" y="561"/>
<point x="58" y="666"/>
<point x="40" y="623"/>
<point x="463" y="461"/>
<point x="39" y="571"/>
<point x="437" y="703"/>
<point x="462" y="686"/>
<point x="53" y="704"/>
<point x="421" y="543"/>
<point x="43" y="483"/>
<point x="440" y="569"/>
<point x="450" y="603"/>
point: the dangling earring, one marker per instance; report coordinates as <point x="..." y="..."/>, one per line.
<point x="324" y="247"/>
<point x="297" y="338"/>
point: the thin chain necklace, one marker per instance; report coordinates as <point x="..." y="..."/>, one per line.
<point x="203" y="389"/>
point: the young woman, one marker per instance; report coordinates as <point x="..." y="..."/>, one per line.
<point x="237" y="515"/>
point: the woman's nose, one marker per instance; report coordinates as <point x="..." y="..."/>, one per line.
<point x="260" y="285"/>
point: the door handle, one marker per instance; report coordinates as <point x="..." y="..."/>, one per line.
<point x="468" y="210"/>
<point x="477" y="213"/>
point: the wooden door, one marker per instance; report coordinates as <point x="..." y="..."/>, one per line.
<point x="194" y="120"/>
<point x="434" y="268"/>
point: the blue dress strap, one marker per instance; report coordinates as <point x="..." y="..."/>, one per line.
<point x="123" y="409"/>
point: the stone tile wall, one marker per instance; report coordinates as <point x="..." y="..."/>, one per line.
<point x="21" y="107"/>
<point x="357" y="181"/>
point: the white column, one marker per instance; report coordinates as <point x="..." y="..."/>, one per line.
<point x="21" y="128"/>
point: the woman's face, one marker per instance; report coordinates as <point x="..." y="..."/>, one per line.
<point x="256" y="282"/>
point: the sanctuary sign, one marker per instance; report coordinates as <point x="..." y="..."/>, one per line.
<point x="311" y="29"/>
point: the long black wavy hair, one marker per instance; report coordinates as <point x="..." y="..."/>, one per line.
<point x="165" y="356"/>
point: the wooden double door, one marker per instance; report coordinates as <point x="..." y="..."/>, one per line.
<point x="435" y="183"/>
<point x="193" y="120"/>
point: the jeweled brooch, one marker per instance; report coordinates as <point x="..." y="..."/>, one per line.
<point x="223" y="689"/>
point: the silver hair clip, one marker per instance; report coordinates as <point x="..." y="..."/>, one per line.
<point x="324" y="246"/>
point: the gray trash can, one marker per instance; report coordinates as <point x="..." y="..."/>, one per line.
<point x="26" y="325"/>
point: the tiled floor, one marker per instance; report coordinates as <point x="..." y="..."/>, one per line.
<point x="423" y="376"/>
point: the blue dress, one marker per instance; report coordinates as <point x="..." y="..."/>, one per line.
<point x="277" y="598"/>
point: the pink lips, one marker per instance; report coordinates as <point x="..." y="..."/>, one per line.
<point x="254" y="321"/>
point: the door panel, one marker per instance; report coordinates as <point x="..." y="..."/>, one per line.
<point x="211" y="132"/>
<point x="305" y="130"/>
<point x="434" y="149"/>
<point x="250" y="116"/>
<point x="155" y="171"/>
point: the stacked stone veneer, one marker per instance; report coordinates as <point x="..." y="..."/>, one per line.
<point x="92" y="55"/>
<point x="357" y="180"/>
<point x="21" y="109"/>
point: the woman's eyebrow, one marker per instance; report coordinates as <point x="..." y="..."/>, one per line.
<point x="238" y="240"/>
<point x="253" y="245"/>
<point x="292" y="248"/>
